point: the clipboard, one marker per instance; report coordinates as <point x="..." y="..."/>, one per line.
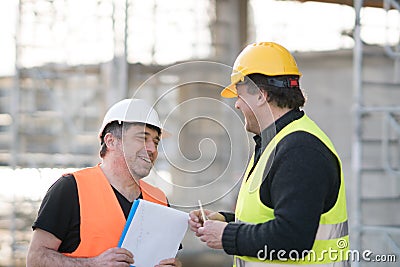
<point x="153" y="232"/>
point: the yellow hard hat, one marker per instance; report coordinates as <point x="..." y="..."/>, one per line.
<point x="267" y="58"/>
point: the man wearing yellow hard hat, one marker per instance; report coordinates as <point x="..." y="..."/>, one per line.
<point x="291" y="207"/>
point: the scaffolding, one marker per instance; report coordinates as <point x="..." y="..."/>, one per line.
<point x="55" y="100"/>
<point x="72" y="61"/>
<point x="52" y="107"/>
<point x="376" y="143"/>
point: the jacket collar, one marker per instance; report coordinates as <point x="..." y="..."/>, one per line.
<point x="268" y="133"/>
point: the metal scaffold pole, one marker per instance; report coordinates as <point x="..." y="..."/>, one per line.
<point x="376" y="141"/>
<point x="356" y="149"/>
<point x="15" y="95"/>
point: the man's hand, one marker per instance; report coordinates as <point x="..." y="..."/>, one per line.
<point x="196" y="220"/>
<point x="114" y="257"/>
<point x="43" y="252"/>
<point x="170" y="262"/>
<point x="211" y="233"/>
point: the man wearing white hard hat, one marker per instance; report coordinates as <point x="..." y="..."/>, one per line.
<point x="83" y="213"/>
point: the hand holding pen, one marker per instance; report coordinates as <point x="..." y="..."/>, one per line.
<point x="208" y="226"/>
<point x="198" y="217"/>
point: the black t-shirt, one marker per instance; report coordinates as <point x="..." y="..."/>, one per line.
<point x="59" y="212"/>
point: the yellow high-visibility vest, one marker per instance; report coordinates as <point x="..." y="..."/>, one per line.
<point x="331" y="244"/>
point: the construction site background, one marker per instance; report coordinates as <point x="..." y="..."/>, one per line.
<point x="50" y="112"/>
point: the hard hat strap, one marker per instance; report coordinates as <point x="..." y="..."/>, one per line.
<point x="283" y="82"/>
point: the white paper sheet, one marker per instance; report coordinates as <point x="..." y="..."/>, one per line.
<point x="153" y="232"/>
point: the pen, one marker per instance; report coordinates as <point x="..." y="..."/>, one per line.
<point x="203" y="215"/>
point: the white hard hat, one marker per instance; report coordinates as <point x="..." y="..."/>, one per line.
<point x="132" y="110"/>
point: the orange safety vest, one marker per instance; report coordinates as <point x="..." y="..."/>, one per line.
<point x="102" y="219"/>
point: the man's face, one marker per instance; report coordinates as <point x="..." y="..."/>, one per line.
<point x="247" y="104"/>
<point x="140" y="145"/>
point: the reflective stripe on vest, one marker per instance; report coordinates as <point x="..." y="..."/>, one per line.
<point x="329" y="231"/>
<point x="332" y="233"/>
<point x="101" y="217"/>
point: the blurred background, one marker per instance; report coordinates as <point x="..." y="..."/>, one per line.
<point x="65" y="62"/>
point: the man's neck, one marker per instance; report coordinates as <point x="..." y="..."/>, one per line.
<point x="121" y="180"/>
<point x="276" y="113"/>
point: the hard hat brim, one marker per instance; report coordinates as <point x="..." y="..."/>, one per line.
<point x="229" y="91"/>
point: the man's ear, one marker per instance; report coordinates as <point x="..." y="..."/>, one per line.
<point x="110" y="140"/>
<point x="262" y="97"/>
